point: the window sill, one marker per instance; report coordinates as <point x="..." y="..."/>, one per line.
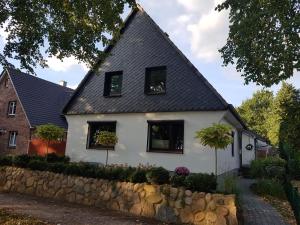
<point x="101" y="148"/>
<point x="160" y="93"/>
<point x="12" y="147"/>
<point x="178" y="152"/>
<point x="112" y="96"/>
<point x="11" y="115"/>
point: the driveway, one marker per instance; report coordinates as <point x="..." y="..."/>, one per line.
<point x="55" y="212"/>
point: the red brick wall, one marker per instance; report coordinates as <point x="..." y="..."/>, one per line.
<point x="17" y="123"/>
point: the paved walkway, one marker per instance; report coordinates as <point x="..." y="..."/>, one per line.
<point x="255" y="210"/>
<point x="55" y="212"/>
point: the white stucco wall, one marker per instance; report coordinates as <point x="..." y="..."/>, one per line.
<point x="132" y="131"/>
<point x="247" y="156"/>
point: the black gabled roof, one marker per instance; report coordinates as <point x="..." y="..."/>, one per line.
<point x="143" y="44"/>
<point x="42" y="100"/>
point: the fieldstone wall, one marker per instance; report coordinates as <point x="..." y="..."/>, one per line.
<point x="162" y="202"/>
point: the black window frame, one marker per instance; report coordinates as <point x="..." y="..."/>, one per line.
<point x="107" y="83"/>
<point x="147" y="90"/>
<point x="99" y="147"/>
<point x="9" y="107"/>
<point x="232" y="144"/>
<point x="9" y="137"/>
<point x="170" y="150"/>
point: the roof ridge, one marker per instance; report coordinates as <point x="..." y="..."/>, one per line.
<point x="38" y="78"/>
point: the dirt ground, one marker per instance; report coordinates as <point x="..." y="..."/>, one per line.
<point x="60" y="213"/>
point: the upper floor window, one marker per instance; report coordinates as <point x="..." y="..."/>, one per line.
<point x="166" y="136"/>
<point x="12" y="105"/>
<point x="12" y="141"/>
<point x="94" y="129"/>
<point x="6" y="82"/>
<point x="113" y="83"/>
<point x="156" y="80"/>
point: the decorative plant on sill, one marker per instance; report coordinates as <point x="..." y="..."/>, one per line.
<point x="49" y="133"/>
<point x="218" y="136"/>
<point x="107" y="139"/>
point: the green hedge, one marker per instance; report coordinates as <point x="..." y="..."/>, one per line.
<point x="269" y="187"/>
<point x="155" y="175"/>
<point x="271" y="167"/>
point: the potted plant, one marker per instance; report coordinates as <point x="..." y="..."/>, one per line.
<point x="107" y="139"/>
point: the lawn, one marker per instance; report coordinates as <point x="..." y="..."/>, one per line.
<point x="8" y="218"/>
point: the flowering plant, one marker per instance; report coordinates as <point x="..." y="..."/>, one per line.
<point x="182" y="171"/>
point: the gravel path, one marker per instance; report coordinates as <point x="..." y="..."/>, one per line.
<point x="55" y="212"/>
<point x="255" y="210"/>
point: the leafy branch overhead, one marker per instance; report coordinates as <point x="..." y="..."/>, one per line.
<point x="263" y="40"/>
<point x="58" y="28"/>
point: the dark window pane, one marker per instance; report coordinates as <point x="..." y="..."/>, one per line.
<point x="155" y="80"/>
<point x="166" y="136"/>
<point x="113" y="84"/>
<point x="95" y="128"/>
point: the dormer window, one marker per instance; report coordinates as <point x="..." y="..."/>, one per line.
<point x="156" y="80"/>
<point x="12" y="105"/>
<point x="113" y="84"/>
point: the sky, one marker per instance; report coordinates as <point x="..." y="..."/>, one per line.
<point x="197" y="29"/>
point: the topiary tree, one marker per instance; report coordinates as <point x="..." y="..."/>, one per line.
<point x="107" y="139"/>
<point x="218" y="136"/>
<point x="49" y="133"/>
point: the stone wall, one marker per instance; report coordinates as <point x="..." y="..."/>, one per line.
<point x="162" y="202"/>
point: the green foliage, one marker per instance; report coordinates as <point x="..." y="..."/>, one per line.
<point x="230" y="185"/>
<point x="218" y="136"/>
<point x="73" y="169"/>
<point x="6" y="160"/>
<point x="263" y="39"/>
<point x="106" y="138"/>
<point x="138" y="176"/>
<point x="269" y="187"/>
<point x="256" y="110"/>
<point x="21" y="160"/>
<point x="49" y="132"/>
<point x="201" y="182"/>
<point x="158" y="175"/>
<point x="271" y="167"/>
<point x="59" y="28"/>
<point x="52" y="158"/>
<point x="57" y="167"/>
<point x="38" y="165"/>
<point x="177" y="180"/>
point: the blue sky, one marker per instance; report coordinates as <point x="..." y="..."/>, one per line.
<point x="196" y="29"/>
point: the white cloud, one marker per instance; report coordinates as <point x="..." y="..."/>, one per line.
<point x="197" y="6"/>
<point x="64" y="65"/>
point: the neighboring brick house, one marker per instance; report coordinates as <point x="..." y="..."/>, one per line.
<point x="27" y="101"/>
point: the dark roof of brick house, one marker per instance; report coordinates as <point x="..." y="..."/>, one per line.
<point x="42" y="100"/>
<point x="143" y="44"/>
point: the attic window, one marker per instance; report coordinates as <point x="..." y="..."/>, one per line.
<point x="12" y="105"/>
<point x="113" y="84"/>
<point x="6" y="82"/>
<point x="156" y="80"/>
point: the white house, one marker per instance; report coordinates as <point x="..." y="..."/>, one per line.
<point x="155" y="100"/>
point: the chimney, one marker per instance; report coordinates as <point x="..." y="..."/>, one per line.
<point x="63" y="83"/>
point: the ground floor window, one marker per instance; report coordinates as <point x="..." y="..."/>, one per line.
<point x="94" y="129"/>
<point x="12" y="141"/>
<point x="166" y="136"/>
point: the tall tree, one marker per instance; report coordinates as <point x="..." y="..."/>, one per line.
<point x="256" y="110"/>
<point x="263" y="39"/>
<point x="60" y="28"/>
<point x="284" y="121"/>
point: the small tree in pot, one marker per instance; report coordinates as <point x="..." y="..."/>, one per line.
<point x="218" y="136"/>
<point x="49" y="133"/>
<point x="107" y="139"/>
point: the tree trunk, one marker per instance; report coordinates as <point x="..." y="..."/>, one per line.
<point x="106" y="157"/>
<point x="216" y="162"/>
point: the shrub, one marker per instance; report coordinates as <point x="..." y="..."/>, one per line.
<point x="57" y="167"/>
<point x="138" y="176"/>
<point x="73" y="169"/>
<point x="294" y="168"/>
<point x="177" y="180"/>
<point x="276" y="172"/>
<point x="6" y="160"/>
<point x="201" y="182"/>
<point x="158" y="175"/>
<point x="182" y="171"/>
<point x="230" y="185"/>
<point x="37" y="165"/>
<point x="258" y="167"/>
<point x="87" y="170"/>
<point x="52" y="158"/>
<point x="21" y="160"/>
<point x="269" y="187"/>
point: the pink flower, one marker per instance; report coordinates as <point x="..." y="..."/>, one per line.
<point x="182" y="171"/>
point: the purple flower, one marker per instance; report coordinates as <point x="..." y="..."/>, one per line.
<point x="182" y="171"/>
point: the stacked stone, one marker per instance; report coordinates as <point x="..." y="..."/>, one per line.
<point x="162" y="202"/>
